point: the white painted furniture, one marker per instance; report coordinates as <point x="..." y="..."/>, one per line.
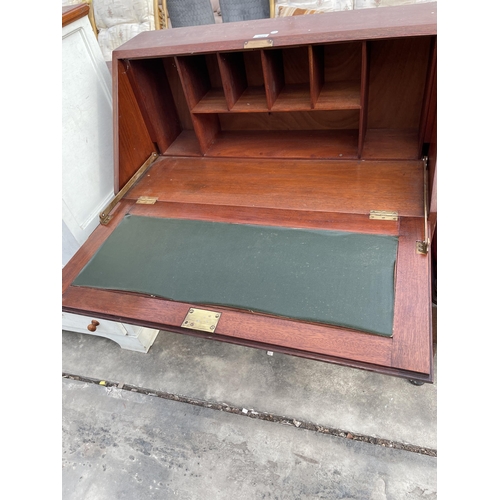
<point x="87" y="166"/>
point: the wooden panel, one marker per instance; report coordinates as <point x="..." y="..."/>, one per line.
<point x="365" y="76"/>
<point x="274" y="77"/>
<point x="155" y="99"/>
<point x="316" y="71"/>
<point x="178" y="93"/>
<point x="212" y="63"/>
<point x="343" y="62"/>
<point x="234" y="80"/>
<point x="253" y="68"/>
<point x="391" y="144"/>
<point x="398" y="70"/>
<point x="348" y="187"/>
<point x="132" y="143"/>
<point x="430" y="99"/>
<point x="206" y="127"/>
<point x="195" y="78"/>
<point x="412" y="313"/>
<point x="287" y="144"/>
<point x="296" y="65"/>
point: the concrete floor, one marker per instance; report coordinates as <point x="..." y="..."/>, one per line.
<point x="197" y="419"/>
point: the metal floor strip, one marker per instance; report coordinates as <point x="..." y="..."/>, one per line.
<point x="252" y="413"/>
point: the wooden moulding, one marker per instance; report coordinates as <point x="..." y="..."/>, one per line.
<point x="71" y="13"/>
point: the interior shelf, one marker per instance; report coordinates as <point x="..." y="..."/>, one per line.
<point x="186" y="144"/>
<point x="295" y="97"/>
<point x="213" y="101"/>
<point x="253" y="99"/>
<point x="339" y="95"/>
<point x="334" y="96"/>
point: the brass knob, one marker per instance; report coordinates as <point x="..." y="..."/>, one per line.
<point x="93" y="325"/>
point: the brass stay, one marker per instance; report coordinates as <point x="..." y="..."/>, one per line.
<point x="104" y="216"/>
<point x="423" y="246"/>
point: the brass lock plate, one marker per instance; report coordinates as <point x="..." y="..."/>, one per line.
<point x="258" y="43"/>
<point x="201" y="319"/>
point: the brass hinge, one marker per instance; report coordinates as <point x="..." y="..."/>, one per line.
<point x="147" y="200"/>
<point x="422" y="247"/>
<point x="104" y="216"/>
<point x="383" y="215"/>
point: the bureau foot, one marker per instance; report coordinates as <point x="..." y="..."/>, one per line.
<point x="415" y="382"/>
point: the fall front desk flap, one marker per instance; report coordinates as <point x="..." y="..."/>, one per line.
<point x="333" y="277"/>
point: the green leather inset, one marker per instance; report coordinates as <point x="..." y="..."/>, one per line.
<point x="333" y="277"/>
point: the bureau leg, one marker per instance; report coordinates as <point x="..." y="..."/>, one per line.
<point x="415" y="382"/>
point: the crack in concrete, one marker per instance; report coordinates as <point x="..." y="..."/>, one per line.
<point x="251" y="413"/>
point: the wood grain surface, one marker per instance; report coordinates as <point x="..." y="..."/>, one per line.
<point x="412" y="315"/>
<point x="348" y="187"/>
<point x="132" y="142"/>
